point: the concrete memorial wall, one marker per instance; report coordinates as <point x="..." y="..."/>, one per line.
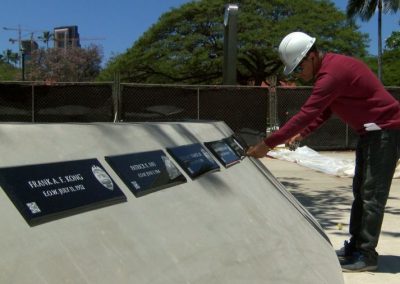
<point x="149" y="203"/>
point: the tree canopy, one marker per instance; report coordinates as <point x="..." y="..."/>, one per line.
<point x="390" y="60"/>
<point x="365" y="9"/>
<point x="393" y="42"/>
<point x="8" y="72"/>
<point x="9" y="57"/>
<point x="72" y="64"/>
<point x="185" y="46"/>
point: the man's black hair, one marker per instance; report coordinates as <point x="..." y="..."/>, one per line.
<point x="313" y="48"/>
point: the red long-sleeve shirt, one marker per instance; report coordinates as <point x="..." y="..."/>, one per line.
<point x="348" y="88"/>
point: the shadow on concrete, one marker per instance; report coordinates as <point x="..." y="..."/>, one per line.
<point x="331" y="205"/>
<point x="392" y="210"/>
<point x="328" y="206"/>
<point x="389" y="264"/>
<point x="391" y="234"/>
<point x="290" y="183"/>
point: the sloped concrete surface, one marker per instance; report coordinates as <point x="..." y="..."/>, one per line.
<point x="238" y="225"/>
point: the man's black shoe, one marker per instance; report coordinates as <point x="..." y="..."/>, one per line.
<point x="346" y="251"/>
<point x="359" y="263"/>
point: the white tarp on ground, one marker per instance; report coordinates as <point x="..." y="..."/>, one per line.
<point x="307" y="157"/>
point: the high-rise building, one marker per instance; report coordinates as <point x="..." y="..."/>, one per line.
<point x="28" y="46"/>
<point x="66" y="36"/>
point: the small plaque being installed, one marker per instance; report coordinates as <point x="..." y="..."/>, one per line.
<point x="223" y="152"/>
<point x="47" y="192"/>
<point x="238" y="145"/>
<point x="146" y="172"/>
<point x="194" y="159"/>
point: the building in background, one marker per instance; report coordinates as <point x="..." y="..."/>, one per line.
<point x="66" y="36"/>
<point x="28" y="46"/>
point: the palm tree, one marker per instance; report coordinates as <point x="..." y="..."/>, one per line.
<point x="46" y="37"/>
<point x="9" y="56"/>
<point x="365" y="9"/>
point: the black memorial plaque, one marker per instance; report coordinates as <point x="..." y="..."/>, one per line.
<point x="46" y="192"/>
<point x="194" y="159"/>
<point x="146" y="172"/>
<point x="224" y="153"/>
<point x="238" y="145"/>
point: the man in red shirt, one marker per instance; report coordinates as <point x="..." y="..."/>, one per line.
<point x="348" y="88"/>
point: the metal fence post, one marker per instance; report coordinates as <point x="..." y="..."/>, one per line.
<point x="33" y="103"/>
<point x="198" y="103"/>
<point x="273" y="104"/>
<point x="116" y="96"/>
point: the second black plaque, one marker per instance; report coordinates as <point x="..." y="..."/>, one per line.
<point x="146" y="172"/>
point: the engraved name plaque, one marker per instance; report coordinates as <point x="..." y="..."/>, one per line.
<point x="238" y="145"/>
<point x="146" y="172"/>
<point x="46" y="192"/>
<point x="223" y="152"/>
<point x="194" y="159"/>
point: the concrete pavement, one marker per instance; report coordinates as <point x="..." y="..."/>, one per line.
<point x="329" y="199"/>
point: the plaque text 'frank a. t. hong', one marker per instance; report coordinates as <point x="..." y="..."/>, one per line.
<point x="146" y="172"/>
<point x="45" y="192"/>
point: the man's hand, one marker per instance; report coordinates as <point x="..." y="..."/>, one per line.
<point x="258" y="151"/>
<point x="294" y="142"/>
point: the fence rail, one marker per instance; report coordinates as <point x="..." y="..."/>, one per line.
<point x="250" y="111"/>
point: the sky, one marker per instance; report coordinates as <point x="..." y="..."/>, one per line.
<point x="116" y="25"/>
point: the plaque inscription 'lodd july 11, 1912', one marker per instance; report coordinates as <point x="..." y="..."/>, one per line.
<point x="46" y="192"/>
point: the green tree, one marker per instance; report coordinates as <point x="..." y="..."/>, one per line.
<point x="186" y="44"/>
<point x="72" y="64"/>
<point x="391" y="68"/>
<point x="8" y="72"/>
<point x="393" y="42"/>
<point x="390" y="56"/>
<point x="365" y="9"/>
<point x="10" y="57"/>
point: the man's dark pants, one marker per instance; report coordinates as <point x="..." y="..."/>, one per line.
<point x="376" y="158"/>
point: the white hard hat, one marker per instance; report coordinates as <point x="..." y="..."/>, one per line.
<point x="293" y="48"/>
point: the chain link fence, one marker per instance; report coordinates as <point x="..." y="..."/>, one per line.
<point x="251" y="111"/>
<point x="332" y="135"/>
<point x="73" y="103"/>
<point x="16" y="102"/>
<point x="25" y="102"/>
<point x="244" y="109"/>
